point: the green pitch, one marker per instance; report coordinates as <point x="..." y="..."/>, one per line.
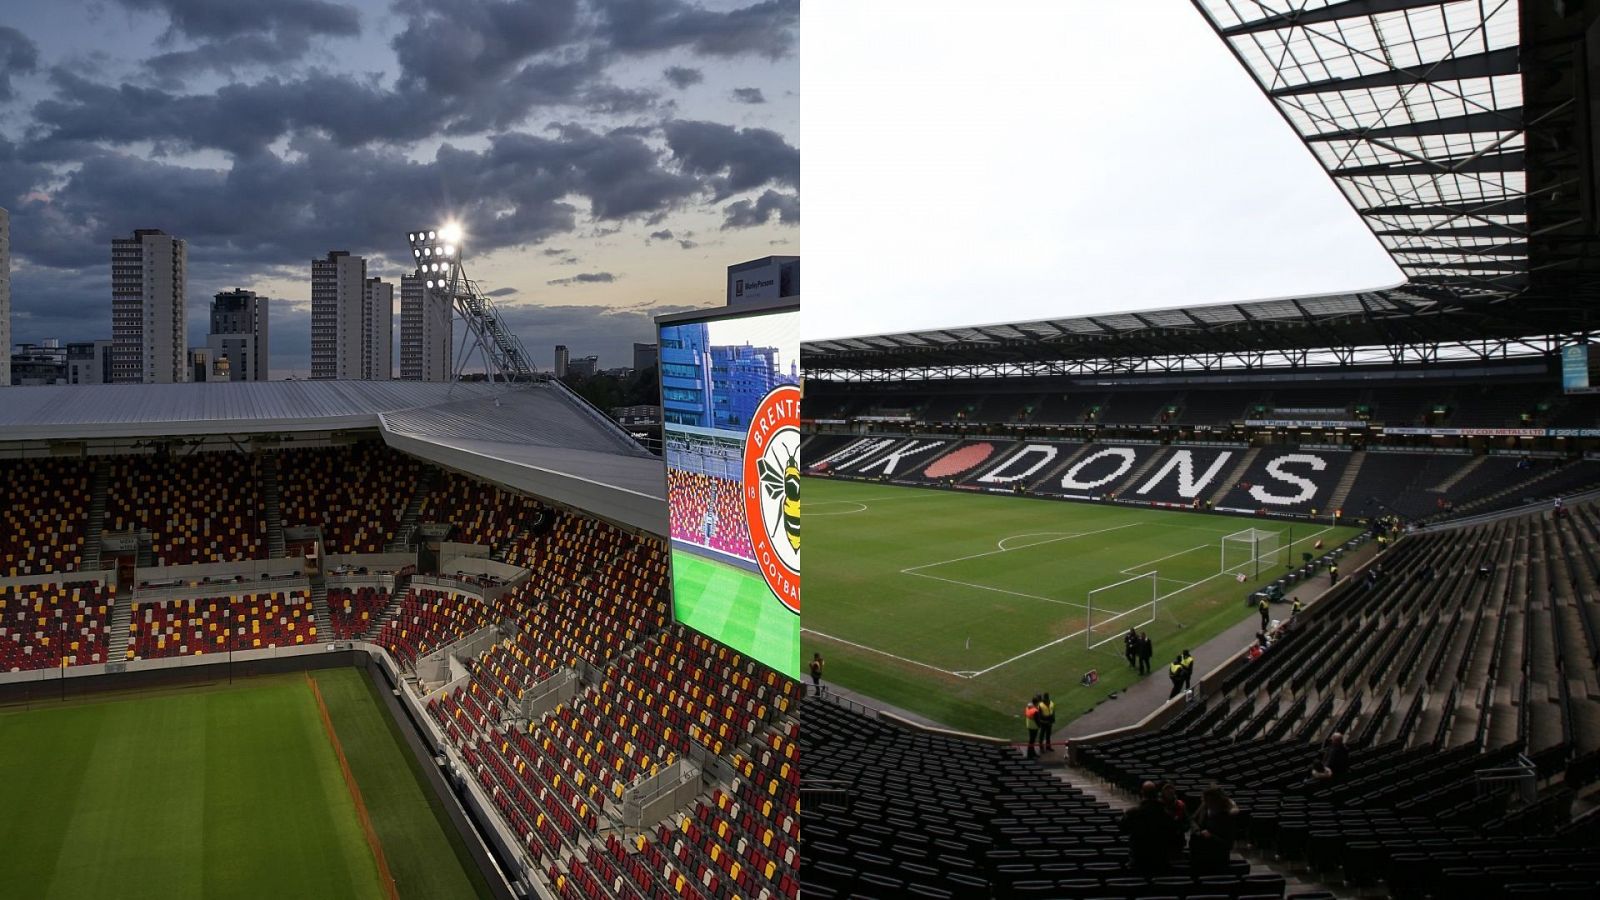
<point x="960" y="606"/>
<point x="736" y="607"/>
<point x="224" y="791"/>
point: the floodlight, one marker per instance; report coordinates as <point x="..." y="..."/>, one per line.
<point x="427" y="251"/>
<point x="416" y="252"/>
<point x="433" y="235"/>
<point x="451" y="233"/>
<point x="430" y="284"/>
<point x="448" y="250"/>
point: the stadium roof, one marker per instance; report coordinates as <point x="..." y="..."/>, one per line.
<point x="538" y="438"/>
<point x="1456" y="129"/>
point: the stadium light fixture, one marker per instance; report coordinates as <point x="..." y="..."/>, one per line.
<point x="450" y="233"/>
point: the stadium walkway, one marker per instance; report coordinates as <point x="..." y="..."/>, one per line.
<point x="1143" y="697"/>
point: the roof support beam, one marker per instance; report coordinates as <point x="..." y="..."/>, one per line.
<point x="1333" y="12"/>
<point x="1479" y="65"/>
<point x="1509" y="119"/>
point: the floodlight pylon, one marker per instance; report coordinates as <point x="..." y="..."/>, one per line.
<point x="443" y="274"/>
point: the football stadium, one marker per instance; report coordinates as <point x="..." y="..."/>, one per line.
<point x="1357" y="530"/>
<point x="369" y="639"/>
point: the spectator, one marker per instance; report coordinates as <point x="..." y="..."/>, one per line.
<point x="1146" y="650"/>
<point x="1335" y="759"/>
<point x="1047" y="721"/>
<point x="1175" y="672"/>
<point x="1031" y="713"/>
<point x="816" y="673"/>
<point x="1149" y="833"/>
<point x="1214" y="826"/>
<point x="1177" y="814"/>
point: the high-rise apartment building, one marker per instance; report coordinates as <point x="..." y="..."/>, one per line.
<point x="89" y="362"/>
<point x="239" y="335"/>
<point x="149" y="325"/>
<point x="377" y="330"/>
<point x="561" y="360"/>
<point x="5" y="298"/>
<point x="352" y="324"/>
<point x="426" y="321"/>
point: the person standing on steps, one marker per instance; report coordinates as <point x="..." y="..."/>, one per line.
<point x="1047" y="721"/>
<point x="1031" y="713"/>
<point x="1295" y="609"/>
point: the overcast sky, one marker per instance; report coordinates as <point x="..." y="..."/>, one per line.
<point x="1043" y="159"/>
<point x="609" y="158"/>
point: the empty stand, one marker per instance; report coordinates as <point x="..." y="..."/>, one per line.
<point x="44" y="508"/>
<point x="198" y="507"/>
<point x="44" y="625"/>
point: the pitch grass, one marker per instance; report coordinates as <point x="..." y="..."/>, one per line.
<point x="216" y="791"/>
<point x="736" y="607"/>
<point x="1008" y="575"/>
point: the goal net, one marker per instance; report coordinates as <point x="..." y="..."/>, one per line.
<point x="1114" y="608"/>
<point x="1247" y="552"/>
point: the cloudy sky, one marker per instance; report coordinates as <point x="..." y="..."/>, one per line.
<point x="608" y="158"/>
<point x="1049" y="159"/>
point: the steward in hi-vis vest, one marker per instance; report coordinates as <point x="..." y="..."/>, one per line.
<point x="1175" y="672"/>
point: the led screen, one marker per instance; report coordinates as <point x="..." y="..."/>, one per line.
<point x="730" y="408"/>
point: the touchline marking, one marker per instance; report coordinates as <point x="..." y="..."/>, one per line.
<point x="1068" y="536"/>
<point x="879" y="652"/>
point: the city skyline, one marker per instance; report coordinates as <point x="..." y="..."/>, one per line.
<point x="607" y="161"/>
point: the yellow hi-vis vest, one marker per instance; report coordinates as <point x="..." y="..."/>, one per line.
<point x="1175" y="669"/>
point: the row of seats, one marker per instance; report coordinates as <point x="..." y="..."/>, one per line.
<point x="708" y="510"/>
<point x="355" y="611"/>
<point x="198" y="507"/>
<point x="44" y="625"/>
<point x="197" y="626"/>
<point x="354" y="493"/>
<point x="44" y="507"/>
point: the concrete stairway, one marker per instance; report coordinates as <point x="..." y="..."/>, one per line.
<point x="1234" y="475"/>
<point x="99" y="486"/>
<point x="1136" y="477"/>
<point x="117" y="637"/>
<point x="408" y="519"/>
<point x="1341" y="491"/>
<point x="1055" y="472"/>
<point x="1455" y="478"/>
<point x="402" y="584"/>
<point x="319" y="607"/>
<point x="270" y="505"/>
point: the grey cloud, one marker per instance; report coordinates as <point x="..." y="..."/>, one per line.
<point x="585" y="278"/>
<point x="748" y="214"/>
<point x="503" y="292"/>
<point x="734" y="159"/>
<point x="687" y="244"/>
<point x="748" y="95"/>
<point x="608" y="332"/>
<point x="455" y="48"/>
<point x="662" y="235"/>
<point x="769" y="29"/>
<point x="226" y="18"/>
<point x="682" y="77"/>
<point x="18" y="56"/>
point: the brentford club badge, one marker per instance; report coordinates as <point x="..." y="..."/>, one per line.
<point x="772" y="491"/>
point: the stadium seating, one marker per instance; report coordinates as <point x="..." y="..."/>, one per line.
<point x="247" y="621"/>
<point x="1473" y="649"/>
<point x="691" y="495"/>
<point x="43" y="624"/>
<point x="199" y="507"/>
<point x="429" y="619"/>
<point x="354" y="493"/>
<point x="44" y="506"/>
<point x="354" y="612"/>
<point x="481" y="513"/>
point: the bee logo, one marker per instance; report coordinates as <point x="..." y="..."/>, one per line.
<point x="772" y="491"/>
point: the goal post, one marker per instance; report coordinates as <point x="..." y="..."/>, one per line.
<point x="1110" y="610"/>
<point x="1247" y="552"/>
